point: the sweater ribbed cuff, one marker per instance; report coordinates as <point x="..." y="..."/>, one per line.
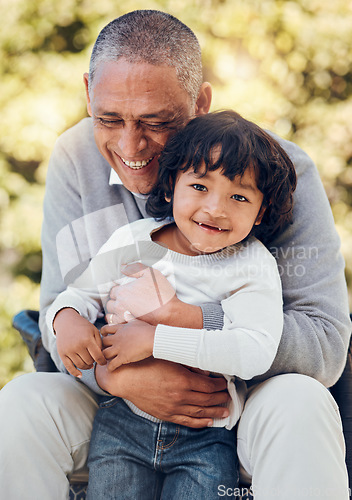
<point x="179" y="345"/>
<point x="213" y="316"/>
<point x="88" y="378"/>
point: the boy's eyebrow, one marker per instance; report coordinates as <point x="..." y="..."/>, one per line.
<point x="199" y="175"/>
<point x="248" y="187"/>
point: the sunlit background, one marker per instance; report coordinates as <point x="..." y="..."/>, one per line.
<point x="285" y="64"/>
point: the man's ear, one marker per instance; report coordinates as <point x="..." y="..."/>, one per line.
<point x="260" y="215"/>
<point x="204" y="99"/>
<point x="85" y="81"/>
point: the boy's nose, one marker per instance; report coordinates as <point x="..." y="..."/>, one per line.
<point x="215" y="206"/>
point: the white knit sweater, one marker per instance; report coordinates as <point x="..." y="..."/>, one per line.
<point x="243" y="278"/>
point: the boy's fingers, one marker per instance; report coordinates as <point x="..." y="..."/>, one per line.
<point x="109" y="353"/>
<point x="97" y="354"/>
<point x="83" y="360"/>
<point x="70" y="367"/>
<point x="108" y="329"/>
<point x="97" y="339"/>
<point x="114" y="364"/>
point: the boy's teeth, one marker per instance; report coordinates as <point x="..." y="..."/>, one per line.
<point x="201" y="224"/>
<point x="136" y="164"/>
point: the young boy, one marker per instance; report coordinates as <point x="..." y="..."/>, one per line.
<point x="224" y="181"/>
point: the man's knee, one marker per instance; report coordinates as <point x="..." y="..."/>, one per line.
<point x="294" y="398"/>
<point x="37" y="394"/>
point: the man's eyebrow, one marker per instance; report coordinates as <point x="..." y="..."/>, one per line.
<point x="108" y="113"/>
<point x="164" y="115"/>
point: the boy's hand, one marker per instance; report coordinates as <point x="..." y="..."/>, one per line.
<point x="127" y="343"/>
<point x="78" y="342"/>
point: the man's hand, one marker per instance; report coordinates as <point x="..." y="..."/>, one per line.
<point x="78" y="341"/>
<point x="168" y="391"/>
<point x="147" y="293"/>
<point x="127" y="343"/>
<point x="151" y="298"/>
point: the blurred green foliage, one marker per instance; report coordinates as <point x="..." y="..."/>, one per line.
<point x="285" y="64"/>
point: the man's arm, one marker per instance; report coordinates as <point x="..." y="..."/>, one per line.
<point x="168" y="391"/>
<point x="316" y="317"/>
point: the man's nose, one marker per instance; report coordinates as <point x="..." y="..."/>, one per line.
<point x="131" y="141"/>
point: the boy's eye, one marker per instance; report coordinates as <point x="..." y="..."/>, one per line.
<point x="238" y="197"/>
<point x="199" y="187"/>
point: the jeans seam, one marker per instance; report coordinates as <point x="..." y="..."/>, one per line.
<point x="177" y="433"/>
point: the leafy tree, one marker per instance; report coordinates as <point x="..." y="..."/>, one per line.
<point x="284" y="64"/>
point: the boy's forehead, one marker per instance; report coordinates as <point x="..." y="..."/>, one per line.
<point x="246" y="180"/>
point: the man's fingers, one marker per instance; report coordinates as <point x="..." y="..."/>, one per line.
<point x="114" y="291"/>
<point x="208" y="412"/>
<point x="205" y="399"/>
<point x="196" y="423"/>
<point x="134" y="270"/>
<point x="203" y="383"/>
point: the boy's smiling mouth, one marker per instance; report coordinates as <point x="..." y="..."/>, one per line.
<point x="210" y="227"/>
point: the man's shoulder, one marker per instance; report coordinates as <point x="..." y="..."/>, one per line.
<point x="298" y="156"/>
<point x="78" y="137"/>
<point x="78" y="146"/>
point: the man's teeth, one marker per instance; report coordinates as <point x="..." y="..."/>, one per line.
<point x="136" y="165"/>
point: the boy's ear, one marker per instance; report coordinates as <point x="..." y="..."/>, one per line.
<point x="260" y="215"/>
<point x="168" y="198"/>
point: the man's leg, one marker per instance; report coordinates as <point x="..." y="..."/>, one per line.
<point x="290" y="441"/>
<point x="45" y="426"/>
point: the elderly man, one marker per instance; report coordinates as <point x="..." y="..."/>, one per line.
<point x="144" y="83"/>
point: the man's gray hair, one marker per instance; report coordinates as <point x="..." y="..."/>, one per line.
<point x="155" y="38"/>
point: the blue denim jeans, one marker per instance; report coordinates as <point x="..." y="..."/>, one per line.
<point x="133" y="458"/>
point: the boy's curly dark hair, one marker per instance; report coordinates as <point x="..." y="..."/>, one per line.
<point x="242" y="145"/>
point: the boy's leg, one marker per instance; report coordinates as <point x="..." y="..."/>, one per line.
<point x="200" y="464"/>
<point x="290" y="441"/>
<point x="121" y="455"/>
<point x="45" y="426"/>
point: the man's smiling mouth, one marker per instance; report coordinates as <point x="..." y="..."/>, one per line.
<point x="136" y="165"/>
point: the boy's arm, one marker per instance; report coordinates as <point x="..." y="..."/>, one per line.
<point x="247" y="344"/>
<point x="78" y="341"/>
